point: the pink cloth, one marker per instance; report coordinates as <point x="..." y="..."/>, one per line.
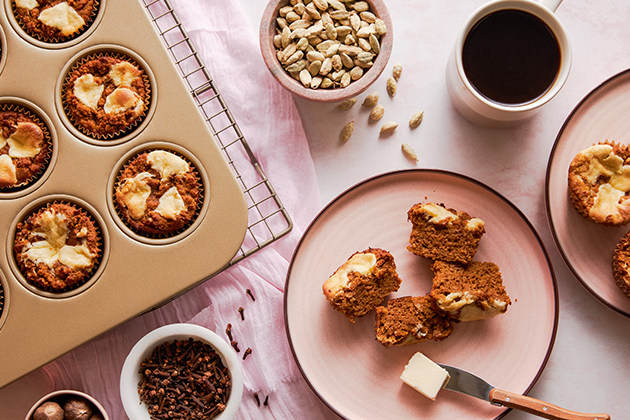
<point x="269" y="121"/>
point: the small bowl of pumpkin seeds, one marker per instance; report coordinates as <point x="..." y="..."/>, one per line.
<point x="326" y="50"/>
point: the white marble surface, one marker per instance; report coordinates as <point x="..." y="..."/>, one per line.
<point x="588" y="369"/>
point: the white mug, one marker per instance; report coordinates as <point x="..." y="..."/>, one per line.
<point x="479" y="108"/>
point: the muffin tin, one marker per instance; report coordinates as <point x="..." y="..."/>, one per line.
<point x="135" y="274"/>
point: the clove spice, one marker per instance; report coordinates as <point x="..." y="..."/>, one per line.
<point x="247" y="353"/>
<point x="241" y="310"/>
<point x="184" y="379"/>
<point x="249" y="292"/>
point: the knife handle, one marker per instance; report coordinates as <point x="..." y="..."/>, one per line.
<point x="540" y="408"/>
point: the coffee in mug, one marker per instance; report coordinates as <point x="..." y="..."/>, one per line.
<point x="510" y="58"/>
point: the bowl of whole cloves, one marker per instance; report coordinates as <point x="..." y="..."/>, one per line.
<point x="181" y="370"/>
<point x="69" y="405"/>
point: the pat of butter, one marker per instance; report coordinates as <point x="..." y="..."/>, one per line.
<point x="425" y="376"/>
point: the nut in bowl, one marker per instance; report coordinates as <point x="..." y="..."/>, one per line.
<point x="326" y="50"/>
<point x="67" y="404"/>
<point x="176" y="354"/>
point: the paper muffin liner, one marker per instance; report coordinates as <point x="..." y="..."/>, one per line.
<point x="128" y="128"/>
<point x="99" y="249"/>
<point x="49" y="146"/>
<point x="60" y="39"/>
<point x="154" y="235"/>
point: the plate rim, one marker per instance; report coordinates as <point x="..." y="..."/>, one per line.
<point x="552" y="227"/>
<point x="446" y="173"/>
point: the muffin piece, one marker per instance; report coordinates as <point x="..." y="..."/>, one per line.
<point x="57" y="247"/>
<point x="362" y="282"/>
<point x="469" y="292"/>
<point x="439" y="233"/>
<point x="621" y="264"/>
<point x="158" y="193"/>
<point x="54" y="20"/>
<point x="106" y="95"/>
<point x="599" y="181"/>
<point x="24" y="149"/>
<point x="409" y="320"/>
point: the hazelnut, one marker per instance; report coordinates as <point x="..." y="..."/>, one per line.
<point x="49" y="410"/>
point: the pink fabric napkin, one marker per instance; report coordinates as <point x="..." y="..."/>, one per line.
<point x="269" y="121"/>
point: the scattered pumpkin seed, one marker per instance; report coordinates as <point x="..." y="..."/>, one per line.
<point x="347" y="104"/>
<point x="346" y="132"/>
<point x="416" y="119"/>
<point x="371" y="100"/>
<point x="391" y="86"/>
<point x="388" y="127"/>
<point x="377" y="112"/>
<point x="409" y="152"/>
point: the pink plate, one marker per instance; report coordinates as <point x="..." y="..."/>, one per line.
<point x="588" y="247"/>
<point x="359" y="378"/>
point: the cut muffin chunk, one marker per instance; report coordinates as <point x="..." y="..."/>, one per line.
<point x="362" y="282"/>
<point x="439" y="233"/>
<point x="469" y="292"/>
<point x="409" y="320"/>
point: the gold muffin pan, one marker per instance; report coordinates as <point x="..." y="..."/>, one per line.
<point x="135" y="274"/>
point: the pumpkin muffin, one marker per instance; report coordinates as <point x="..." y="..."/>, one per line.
<point x="24" y="148"/>
<point x="106" y="96"/>
<point x="57" y="247"/>
<point x="621" y="264"/>
<point x="158" y="193"/>
<point x="599" y="182"/>
<point x="55" y="20"/>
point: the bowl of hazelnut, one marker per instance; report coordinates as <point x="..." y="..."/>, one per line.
<point x="67" y="405"/>
<point x="326" y="50"/>
<point x="181" y="371"/>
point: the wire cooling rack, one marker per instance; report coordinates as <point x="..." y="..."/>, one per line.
<point x="268" y="220"/>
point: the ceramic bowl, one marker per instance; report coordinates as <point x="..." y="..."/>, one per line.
<point x="129" y="377"/>
<point x="269" y="52"/>
<point x="61" y="396"/>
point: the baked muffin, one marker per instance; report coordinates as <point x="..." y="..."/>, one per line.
<point x="158" y="193"/>
<point x="409" y="320"/>
<point x="621" y="264"/>
<point x="469" y="292"/>
<point x="599" y="181"/>
<point x="440" y="233"/>
<point x="57" y="247"/>
<point x="24" y="148"/>
<point x="55" y="20"/>
<point x="362" y="282"/>
<point x="106" y="96"/>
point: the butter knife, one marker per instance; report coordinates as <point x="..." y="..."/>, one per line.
<point x="469" y="384"/>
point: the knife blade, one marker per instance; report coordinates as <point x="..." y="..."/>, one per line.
<point x="467" y="383"/>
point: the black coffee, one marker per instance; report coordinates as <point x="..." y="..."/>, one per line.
<point x="511" y="57"/>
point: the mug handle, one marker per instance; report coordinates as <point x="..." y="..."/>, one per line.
<point x="551" y="4"/>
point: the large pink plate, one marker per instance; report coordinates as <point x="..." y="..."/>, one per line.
<point x="588" y="247"/>
<point x="359" y="378"/>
